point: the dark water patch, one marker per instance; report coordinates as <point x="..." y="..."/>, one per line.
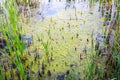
<point x="60" y="77"/>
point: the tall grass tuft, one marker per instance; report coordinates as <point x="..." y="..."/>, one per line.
<point x="11" y="31"/>
<point x="109" y="67"/>
<point x="46" y="44"/>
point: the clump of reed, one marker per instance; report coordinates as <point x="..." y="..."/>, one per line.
<point x="11" y="31"/>
<point x="32" y="3"/>
<point x="106" y="66"/>
<point x="46" y="45"/>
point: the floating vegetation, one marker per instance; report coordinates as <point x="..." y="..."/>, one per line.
<point x="59" y="40"/>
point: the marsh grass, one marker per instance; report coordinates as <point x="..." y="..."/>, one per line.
<point x="92" y="70"/>
<point x="46" y="44"/>
<point x="116" y="47"/>
<point x="11" y="32"/>
<point x="115" y="51"/>
<point x="111" y="62"/>
<point x="1" y="75"/>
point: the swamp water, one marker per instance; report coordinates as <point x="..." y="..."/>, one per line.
<point x="60" y="39"/>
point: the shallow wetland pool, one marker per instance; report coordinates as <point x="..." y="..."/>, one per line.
<point x="56" y="40"/>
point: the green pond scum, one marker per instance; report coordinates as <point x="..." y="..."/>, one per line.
<point x="59" y="39"/>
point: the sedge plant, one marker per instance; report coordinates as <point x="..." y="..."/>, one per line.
<point x="11" y="32"/>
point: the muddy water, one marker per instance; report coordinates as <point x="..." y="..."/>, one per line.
<point x="68" y="33"/>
